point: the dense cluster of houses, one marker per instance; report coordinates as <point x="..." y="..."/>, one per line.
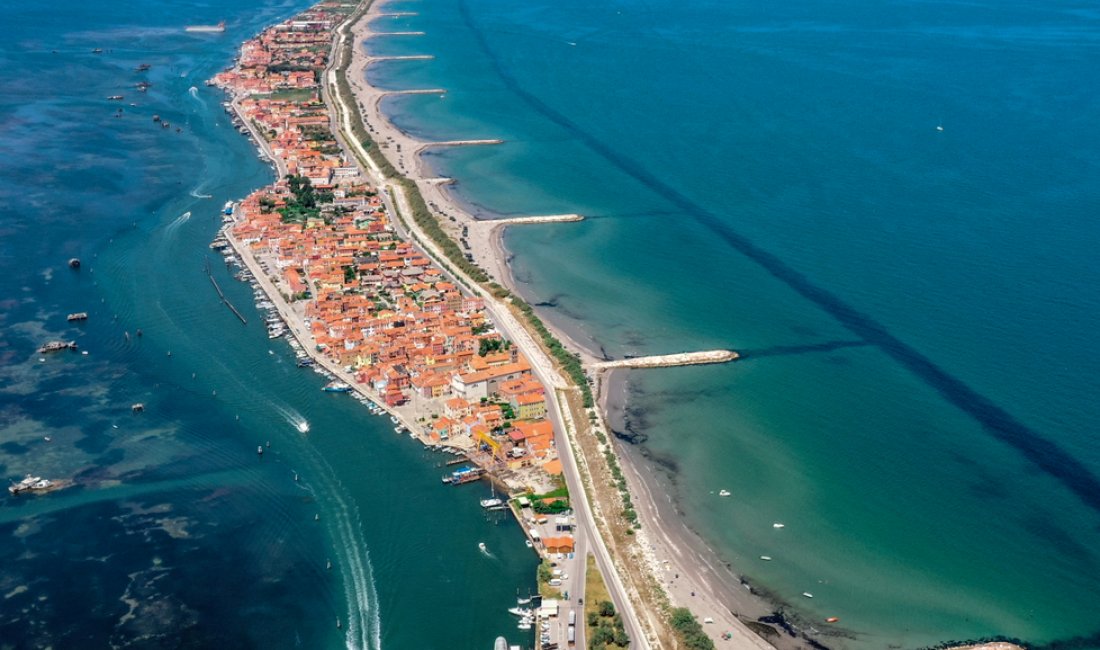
<point x="372" y="303"/>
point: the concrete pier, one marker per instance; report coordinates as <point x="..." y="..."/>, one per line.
<point x="396" y="34"/>
<point x="669" y="360"/>
<point x="442" y="180"/>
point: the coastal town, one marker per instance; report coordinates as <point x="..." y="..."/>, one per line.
<point x="377" y="315"/>
<point x="369" y="302"/>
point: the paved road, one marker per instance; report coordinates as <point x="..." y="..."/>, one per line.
<point x="586" y="532"/>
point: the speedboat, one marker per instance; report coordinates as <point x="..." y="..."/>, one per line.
<point x="724" y="493"/>
<point x="481" y="545"/>
<point x="777" y="525"/>
<point x="766" y="558"/>
<point x="807" y="594"/>
<point x="519" y="611"/>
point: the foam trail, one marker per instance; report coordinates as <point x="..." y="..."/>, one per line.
<point x="293" y="418"/>
<point x="179" y="221"/>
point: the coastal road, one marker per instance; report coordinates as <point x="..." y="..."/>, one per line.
<point x="543" y="368"/>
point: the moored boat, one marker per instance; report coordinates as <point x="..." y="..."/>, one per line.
<point x="80" y="315"/>
<point x="336" y="387"/>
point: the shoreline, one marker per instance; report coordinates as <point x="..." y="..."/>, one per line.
<point x="486" y="242"/>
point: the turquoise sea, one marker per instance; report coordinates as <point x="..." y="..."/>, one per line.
<point x="889" y="207"/>
<point x="177" y="535"/>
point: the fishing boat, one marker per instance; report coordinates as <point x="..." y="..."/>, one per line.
<point x="336" y="387"/>
<point x="74" y="263"/>
<point x="54" y="346"/>
<point x="206" y="29"/>
<point x="260" y="450"/>
<point x="36" y="484"/>
<point x="80" y="315"/>
<point x="228" y="207"/>
<point x="115" y="98"/>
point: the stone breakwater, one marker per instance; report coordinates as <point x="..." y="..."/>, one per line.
<point x="668" y="360"/>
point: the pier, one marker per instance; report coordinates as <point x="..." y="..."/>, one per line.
<point x="397" y="14"/>
<point x="396" y="34"/>
<point x="669" y="360"/>
<point x="442" y="180"/>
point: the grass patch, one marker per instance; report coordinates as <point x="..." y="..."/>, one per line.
<point x="545" y="573"/>
<point x="603" y="625"/>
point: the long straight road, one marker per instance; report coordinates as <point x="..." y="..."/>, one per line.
<point x="586" y="534"/>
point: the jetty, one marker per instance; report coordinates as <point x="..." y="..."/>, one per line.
<point x="456" y="143"/>
<point x="416" y="91"/>
<point x="669" y="360"/>
<point x="404" y="57"/>
<point x="221" y="295"/>
<point x="442" y="180"/>
<point x="396" y="34"/>
<point x="397" y="14"/>
<point x="549" y="218"/>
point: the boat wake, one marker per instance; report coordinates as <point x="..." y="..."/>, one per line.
<point x="293" y="418"/>
<point x="364" y="625"/>
<point x="177" y="222"/>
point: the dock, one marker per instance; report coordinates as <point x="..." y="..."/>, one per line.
<point x="669" y="360"/>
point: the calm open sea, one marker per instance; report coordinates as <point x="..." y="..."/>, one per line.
<point x="889" y="207"/>
<point x="177" y="534"/>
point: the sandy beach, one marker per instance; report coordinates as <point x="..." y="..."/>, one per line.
<point x="669" y="547"/>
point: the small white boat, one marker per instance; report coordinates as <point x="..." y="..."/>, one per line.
<point x="777" y="525"/>
<point x="481" y="545"/>
<point x="939" y="127"/>
<point x="766" y="558"/>
<point x="529" y="544"/>
<point x="519" y="611"/>
<point x="724" y="493"/>
<point x="807" y="594"/>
